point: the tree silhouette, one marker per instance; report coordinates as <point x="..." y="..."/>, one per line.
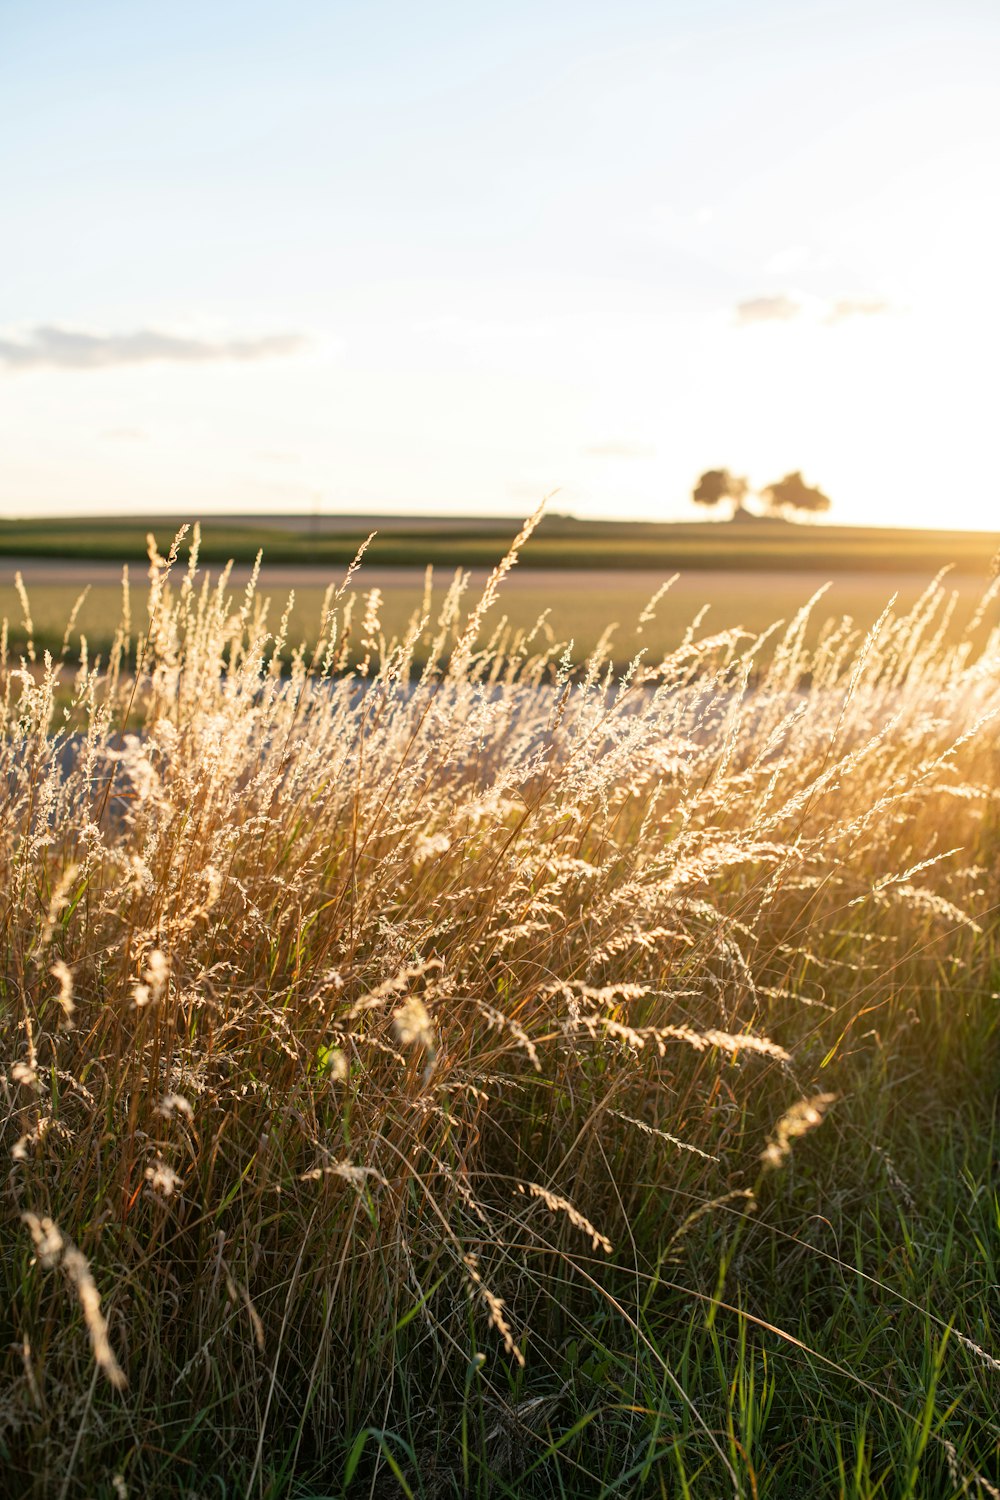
<point x="718" y="485"/>
<point x="793" y="494"/>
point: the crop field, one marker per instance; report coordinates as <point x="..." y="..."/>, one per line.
<point x="438" y="1063"/>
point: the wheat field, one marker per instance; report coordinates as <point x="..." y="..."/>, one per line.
<point x="440" y="1066"/>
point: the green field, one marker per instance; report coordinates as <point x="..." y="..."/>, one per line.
<point x="559" y="542"/>
<point x="582" y="576"/>
<point x="577" y="607"/>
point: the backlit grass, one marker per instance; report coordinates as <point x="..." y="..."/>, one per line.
<point x="470" y="1070"/>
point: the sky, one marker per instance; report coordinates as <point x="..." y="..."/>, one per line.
<point x="451" y="257"/>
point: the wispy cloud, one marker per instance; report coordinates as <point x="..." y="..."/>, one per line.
<point x="862" y="307"/>
<point x="53" y="347"/>
<point x="778" y="309"/>
<point x="783" y="309"/>
<point x="620" y="448"/>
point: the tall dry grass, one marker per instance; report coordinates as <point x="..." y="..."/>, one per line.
<point x="362" y="999"/>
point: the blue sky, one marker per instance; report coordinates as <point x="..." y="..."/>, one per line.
<point x="450" y="257"/>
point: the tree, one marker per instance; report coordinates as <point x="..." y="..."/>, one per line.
<point x="718" y="485"/>
<point x="793" y="494"/>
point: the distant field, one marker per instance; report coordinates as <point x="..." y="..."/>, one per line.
<point x="580" y="602"/>
<point x="560" y="542"/>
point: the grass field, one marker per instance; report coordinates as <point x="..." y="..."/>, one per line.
<point x="444" y="1070"/>
<point x="578" y="605"/>
<point x="560" y="542"/>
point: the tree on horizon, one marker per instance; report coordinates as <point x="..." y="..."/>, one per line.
<point x="792" y="494"/>
<point x="717" y="486"/>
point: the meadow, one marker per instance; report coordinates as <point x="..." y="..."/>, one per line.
<point x="577" y="607"/>
<point x="439" y="1061"/>
<point x="560" y="542"/>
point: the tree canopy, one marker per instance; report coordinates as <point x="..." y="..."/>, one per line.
<point x="718" y="485"/>
<point x="793" y="494"/>
<point x="785" y="497"/>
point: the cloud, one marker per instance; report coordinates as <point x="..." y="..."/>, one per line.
<point x="767" y="310"/>
<point x="782" y="309"/>
<point x="54" y="348"/>
<point x="857" y="308"/>
<point x="620" y="448"/>
<point x="125" y="435"/>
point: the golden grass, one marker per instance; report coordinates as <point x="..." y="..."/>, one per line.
<point x="349" y="1003"/>
<point x="578" y="605"/>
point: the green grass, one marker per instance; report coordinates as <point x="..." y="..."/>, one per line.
<point x="578" y="607"/>
<point x="824" y="1363"/>
<point x="560" y="542"/>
